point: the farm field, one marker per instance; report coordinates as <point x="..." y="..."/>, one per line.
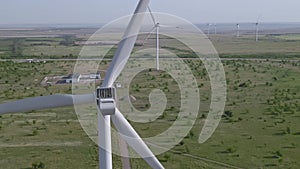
<point x="259" y="128"/>
<point x="67" y="43"/>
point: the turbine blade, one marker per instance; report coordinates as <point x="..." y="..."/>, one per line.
<point x="167" y="26"/>
<point x="45" y="102"/>
<point x="126" y="45"/>
<point x="134" y="140"/>
<point x="152" y="16"/>
<point x="148" y="35"/>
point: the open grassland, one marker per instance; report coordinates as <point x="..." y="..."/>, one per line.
<point x="39" y="47"/>
<point x="67" y="43"/>
<point x="289" y="37"/>
<point x="260" y="127"/>
<point x="268" y="46"/>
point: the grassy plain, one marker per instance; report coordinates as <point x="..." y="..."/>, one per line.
<point x="68" y="45"/>
<point x="268" y="46"/>
<point x="262" y="131"/>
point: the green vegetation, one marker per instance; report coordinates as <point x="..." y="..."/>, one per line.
<point x="259" y="128"/>
<point x="39" y="47"/>
<point x="228" y="46"/>
<point x="289" y="37"/>
<point x="268" y="46"/>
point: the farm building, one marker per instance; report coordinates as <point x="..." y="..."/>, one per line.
<point x="95" y="75"/>
<point x="73" y="78"/>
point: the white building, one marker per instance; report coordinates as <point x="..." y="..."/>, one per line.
<point x="73" y="78"/>
<point x="95" y="75"/>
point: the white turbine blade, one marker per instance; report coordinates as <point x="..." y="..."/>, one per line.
<point x="45" y="102"/>
<point x="166" y="26"/>
<point x="134" y="140"/>
<point x="258" y="18"/>
<point x="148" y="36"/>
<point x="126" y="45"/>
<point x="152" y="16"/>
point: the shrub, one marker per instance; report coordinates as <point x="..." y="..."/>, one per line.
<point x="37" y="165"/>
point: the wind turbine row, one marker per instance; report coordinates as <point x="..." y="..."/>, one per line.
<point x="104" y="98"/>
<point x="256" y="30"/>
<point x="237" y="29"/>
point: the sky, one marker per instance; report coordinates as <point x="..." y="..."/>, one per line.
<point x="104" y="11"/>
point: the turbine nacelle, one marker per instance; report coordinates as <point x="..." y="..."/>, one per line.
<point x="106" y="100"/>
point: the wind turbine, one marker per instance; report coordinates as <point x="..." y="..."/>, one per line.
<point x="215" y="26"/>
<point x="257" y="28"/>
<point x="257" y="31"/>
<point x="104" y="98"/>
<point x="208" y="29"/>
<point x="237" y="30"/>
<point x="156" y="28"/>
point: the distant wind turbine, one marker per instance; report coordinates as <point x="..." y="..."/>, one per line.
<point x="257" y="32"/>
<point x="237" y="30"/>
<point x="257" y="28"/>
<point x="215" y="28"/>
<point x="155" y="29"/>
<point x="208" y="29"/>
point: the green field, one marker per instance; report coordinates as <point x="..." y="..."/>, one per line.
<point x="289" y="37"/>
<point x="39" y="47"/>
<point x="268" y="46"/>
<point x="260" y="129"/>
<point x="228" y="46"/>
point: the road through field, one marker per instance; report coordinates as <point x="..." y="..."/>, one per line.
<point x="223" y="59"/>
<point x="42" y="144"/>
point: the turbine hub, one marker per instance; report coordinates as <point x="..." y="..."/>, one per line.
<point x="106" y="100"/>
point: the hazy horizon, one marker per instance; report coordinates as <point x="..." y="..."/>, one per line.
<point x="20" y="12"/>
<point x="244" y="25"/>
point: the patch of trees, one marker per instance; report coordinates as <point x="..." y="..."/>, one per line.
<point x="227" y="113"/>
<point x="16" y="47"/>
<point x="39" y="165"/>
<point x="69" y="40"/>
<point x="40" y="44"/>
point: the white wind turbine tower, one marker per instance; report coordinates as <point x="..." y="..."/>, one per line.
<point x="257" y="28"/>
<point x="237" y="30"/>
<point x="103" y="98"/>
<point x="155" y="29"/>
<point x="215" y="25"/>
<point x="157" y="46"/>
<point x="208" y="29"/>
<point x="257" y="32"/>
